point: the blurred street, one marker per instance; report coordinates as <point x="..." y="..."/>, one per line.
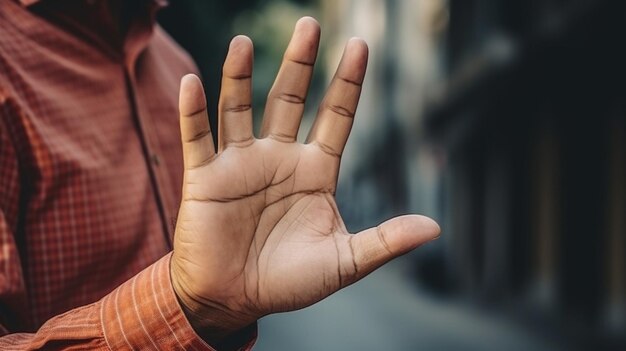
<point x="399" y="318"/>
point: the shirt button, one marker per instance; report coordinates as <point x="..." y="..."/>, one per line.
<point x="154" y="158"/>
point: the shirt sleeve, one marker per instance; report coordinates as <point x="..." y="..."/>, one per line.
<point x="141" y="314"/>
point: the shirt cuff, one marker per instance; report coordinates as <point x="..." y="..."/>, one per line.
<point x="144" y="314"/>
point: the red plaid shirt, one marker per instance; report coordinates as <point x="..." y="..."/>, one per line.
<point x="90" y="179"/>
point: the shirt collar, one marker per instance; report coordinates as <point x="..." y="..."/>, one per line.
<point x="130" y="46"/>
<point x="28" y="2"/>
<point x="160" y="3"/>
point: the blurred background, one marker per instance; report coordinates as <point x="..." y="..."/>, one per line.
<point x="503" y="120"/>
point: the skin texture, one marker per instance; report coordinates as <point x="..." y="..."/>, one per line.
<point x="258" y="230"/>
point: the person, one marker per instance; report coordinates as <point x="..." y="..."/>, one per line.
<point x="91" y="168"/>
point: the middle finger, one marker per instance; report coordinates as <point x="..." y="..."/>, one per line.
<point x="285" y="103"/>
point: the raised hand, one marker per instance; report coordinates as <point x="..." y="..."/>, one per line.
<point x="258" y="229"/>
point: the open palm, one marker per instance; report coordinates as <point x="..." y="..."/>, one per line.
<point x="258" y="230"/>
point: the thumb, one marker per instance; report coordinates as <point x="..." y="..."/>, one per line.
<point x="376" y="246"/>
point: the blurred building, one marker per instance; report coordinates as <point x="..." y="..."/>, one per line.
<point x="504" y="120"/>
<point x="383" y="154"/>
<point x="521" y="107"/>
<point x="532" y="117"/>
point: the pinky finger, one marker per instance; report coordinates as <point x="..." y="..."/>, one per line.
<point x="197" y="141"/>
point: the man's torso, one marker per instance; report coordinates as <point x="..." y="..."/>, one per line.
<point x="97" y="165"/>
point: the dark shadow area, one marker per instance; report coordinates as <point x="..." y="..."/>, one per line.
<point x="532" y="119"/>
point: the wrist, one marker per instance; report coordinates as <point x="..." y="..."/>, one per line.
<point x="217" y="335"/>
<point x="215" y="324"/>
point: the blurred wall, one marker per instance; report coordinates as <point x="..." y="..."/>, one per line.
<point x="504" y="120"/>
<point x="383" y="158"/>
<point x="531" y="115"/>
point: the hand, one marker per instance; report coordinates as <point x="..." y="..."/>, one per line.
<point x="258" y="230"/>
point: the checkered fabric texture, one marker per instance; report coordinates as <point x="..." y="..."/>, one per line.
<point x="90" y="179"/>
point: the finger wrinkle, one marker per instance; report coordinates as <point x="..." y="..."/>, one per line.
<point x="339" y="274"/>
<point x="301" y="62"/>
<point x="355" y="266"/>
<point x="327" y="149"/>
<point x="381" y="236"/>
<point x="238" y="108"/>
<point x="241" y="143"/>
<point x="350" y="81"/>
<point x="194" y="114"/>
<point x="238" y="77"/>
<point x="340" y="110"/>
<point x="291" y="98"/>
<point x="199" y="136"/>
<point x="282" y="137"/>
<point x="202" y="163"/>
